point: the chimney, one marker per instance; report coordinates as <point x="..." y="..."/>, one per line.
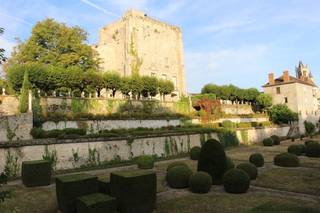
<point x="271" y="78"/>
<point x="286" y="77"/>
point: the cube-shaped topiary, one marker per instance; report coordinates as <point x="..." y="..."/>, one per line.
<point x="236" y="181"/>
<point x="36" y="173"/>
<point x="96" y="203"/>
<point x="256" y="159"/>
<point x="104" y="186"/>
<point x="297" y="149"/>
<point x="195" y="152"/>
<point x="178" y="176"/>
<point x="267" y="142"/>
<point x="200" y="182"/>
<point x="145" y="162"/>
<point x="250" y="169"/>
<point x="69" y="187"/>
<point x="135" y="191"/>
<point x="276" y="139"/>
<point x="213" y="160"/>
<point x="313" y="149"/>
<point x="286" y="160"/>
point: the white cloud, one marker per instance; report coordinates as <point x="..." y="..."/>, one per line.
<point x="17" y="19"/>
<point x="7" y="45"/>
<point x="96" y="6"/>
<point x="223" y="26"/>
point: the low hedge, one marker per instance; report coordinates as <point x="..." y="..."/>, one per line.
<point x="244" y="125"/>
<point x="267" y="142"/>
<point x="36" y="173"/>
<point x="313" y="149"/>
<point x="57" y="133"/>
<point x="195" y="152"/>
<point x="200" y="182"/>
<point x="286" y="160"/>
<point x="96" y="203"/>
<point x="250" y="169"/>
<point x="145" y="162"/>
<point x="257" y="159"/>
<point x="276" y="139"/>
<point x="178" y="177"/>
<point x="236" y="181"/>
<point x="297" y="149"/>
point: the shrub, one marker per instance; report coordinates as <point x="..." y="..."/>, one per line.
<point x="70" y="187"/>
<point x="286" y="160"/>
<point x="135" y="191"/>
<point x="145" y="162"/>
<point x="228" y="124"/>
<point x="230" y="164"/>
<point x="96" y="202"/>
<point x="250" y="169"/>
<point x="178" y="177"/>
<point x="228" y="138"/>
<point x="267" y="142"/>
<point x="36" y="173"/>
<point x="256" y="159"/>
<point x="313" y="149"/>
<point x="104" y="186"/>
<point x="276" y="139"/>
<point x="236" y="181"/>
<point x="309" y="127"/>
<point x="296" y="149"/>
<point x="309" y="141"/>
<point x="213" y="160"/>
<point x="200" y="182"/>
<point x="244" y="125"/>
<point x="195" y="152"/>
<point x="24" y="96"/>
<point x="177" y="163"/>
<point x="57" y="133"/>
<point x="281" y="113"/>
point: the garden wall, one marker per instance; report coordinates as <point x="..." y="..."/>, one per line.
<point x="9" y="105"/>
<point x="235" y="120"/>
<point x="237" y="109"/>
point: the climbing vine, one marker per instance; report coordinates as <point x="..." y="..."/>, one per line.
<point x="136" y="61"/>
<point x="12" y="167"/>
<point x="50" y="156"/>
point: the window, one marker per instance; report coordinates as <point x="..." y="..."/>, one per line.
<point x="286" y="100"/>
<point x="278" y="90"/>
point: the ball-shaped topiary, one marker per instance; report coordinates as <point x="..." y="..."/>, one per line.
<point x="176" y="163"/>
<point x="297" y="149"/>
<point x="250" y="169"/>
<point x="286" y="160"/>
<point x="276" y="139"/>
<point x="178" y="177"/>
<point x="213" y="160"/>
<point x="267" y="142"/>
<point x="200" y="182"/>
<point x="236" y="181"/>
<point x="230" y="164"/>
<point x="195" y="152"/>
<point x="145" y="162"/>
<point x="257" y="159"/>
<point x="313" y="149"/>
<point x="309" y="141"/>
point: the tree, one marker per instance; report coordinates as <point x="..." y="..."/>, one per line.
<point x="136" y="86"/>
<point x="165" y="87"/>
<point x="24" y="96"/>
<point x="281" y="114"/>
<point x="57" y="44"/>
<point x="125" y="85"/>
<point x="251" y="94"/>
<point x="112" y="81"/>
<point x="93" y="81"/>
<point x="150" y="86"/>
<point x="2" y="57"/>
<point x="264" y="100"/>
<point x="310" y="128"/>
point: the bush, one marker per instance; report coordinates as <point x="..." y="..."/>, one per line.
<point x="267" y="142"/>
<point x="96" y="202"/>
<point x="228" y="124"/>
<point x="57" y="133"/>
<point x="256" y="159"/>
<point x="200" y="182"/>
<point x="286" y="160"/>
<point x="309" y="141"/>
<point x="213" y="160"/>
<point x="104" y="186"/>
<point x="228" y="138"/>
<point x="145" y="162"/>
<point x="296" y="149"/>
<point x="230" y="164"/>
<point x="195" y="152"/>
<point x="178" y="177"/>
<point x="276" y="139"/>
<point x="177" y="163"/>
<point x="309" y="127"/>
<point x="236" y="181"/>
<point x="250" y="169"/>
<point x="313" y="149"/>
<point x="36" y="173"/>
<point x="70" y="187"/>
<point x="135" y="191"/>
<point x="244" y="125"/>
<point x="281" y="114"/>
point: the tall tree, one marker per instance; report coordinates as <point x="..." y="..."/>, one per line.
<point x="165" y="88"/>
<point x="24" y="96"/>
<point x="112" y="81"/>
<point x="150" y="86"/>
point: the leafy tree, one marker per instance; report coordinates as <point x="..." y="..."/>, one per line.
<point x="211" y="88"/>
<point x="309" y="127"/>
<point x="150" y="86"/>
<point x="125" y="85"/>
<point x="93" y="81"/>
<point x="23" y="102"/>
<point x="57" y="44"/>
<point x="165" y="87"/>
<point x="251" y="94"/>
<point x="281" y="114"/>
<point x="112" y="81"/>
<point x="136" y="86"/>
<point x="2" y="57"/>
<point x="264" y="100"/>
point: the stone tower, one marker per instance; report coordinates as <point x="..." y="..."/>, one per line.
<point x="303" y="72"/>
<point x="139" y="44"/>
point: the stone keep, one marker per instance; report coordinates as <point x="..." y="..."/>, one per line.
<point x="139" y="44"/>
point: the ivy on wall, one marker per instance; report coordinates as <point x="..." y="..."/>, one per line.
<point x="244" y="136"/>
<point x="12" y="167"/>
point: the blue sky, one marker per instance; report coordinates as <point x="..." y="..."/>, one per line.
<point x="231" y="41"/>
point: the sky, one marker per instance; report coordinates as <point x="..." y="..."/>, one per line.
<point x="225" y="42"/>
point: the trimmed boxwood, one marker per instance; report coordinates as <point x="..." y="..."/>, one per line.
<point x="230" y="164"/>
<point x="267" y="142"/>
<point x="178" y="177"/>
<point x="276" y="139"/>
<point x="36" y="173"/>
<point x="236" y="181"/>
<point x="313" y="149"/>
<point x="135" y="191"/>
<point x="200" y="182"/>
<point x="195" y="152"/>
<point x="176" y="163"/>
<point x="286" y="160"/>
<point x="213" y="160"/>
<point x="297" y="149"/>
<point x="250" y="169"/>
<point x="104" y="186"/>
<point x="70" y="187"/>
<point x="96" y="203"/>
<point x="256" y="159"/>
<point x="145" y="162"/>
<point x="309" y="141"/>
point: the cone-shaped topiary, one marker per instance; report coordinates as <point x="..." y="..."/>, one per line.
<point x="313" y="149"/>
<point x="200" y="182"/>
<point x="145" y="162"/>
<point x="24" y="96"/>
<point x="230" y="164"/>
<point x="194" y="152"/>
<point x="257" y="159"/>
<point x="213" y="160"/>
<point x="250" y="169"/>
<point x="286" y="160"/>
<point x="177" y="163"/>
<point x="296" y="149"/>
<point x="267" y="142"/>
<point x="178" y="177"/>
<point x="276" y="139"/>
<point x="236" y="181"/>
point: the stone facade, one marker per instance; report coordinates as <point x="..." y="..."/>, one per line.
<point x="139" y="44"/>
<point x="9" y="105"/>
